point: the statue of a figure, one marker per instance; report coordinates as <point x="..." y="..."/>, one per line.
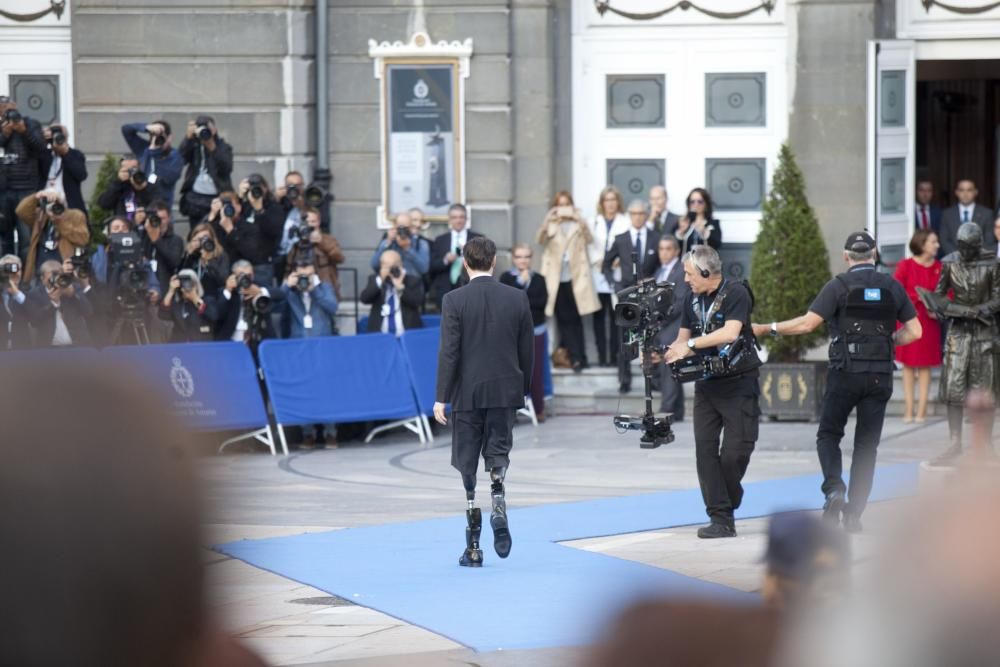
<point x="973" y="278"/>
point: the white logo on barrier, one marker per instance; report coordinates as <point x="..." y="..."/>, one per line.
<point x="181" y="379"/>
<point x="420" y="90"/>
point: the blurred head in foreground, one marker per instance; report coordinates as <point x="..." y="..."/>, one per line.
<point x="808" y="561"/>
<point x="100" y="523"/>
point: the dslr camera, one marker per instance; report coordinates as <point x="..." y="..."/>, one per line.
<point x="314" y="195"/>
<point x="207" y="244"/>
<point x="303" y="282"/>
<point x="228" y="209"/>
<point x="395" y="272"/>
<point x="244" y="281"/>
<point x="13" y="116"/>
<point x="81" y="265"/>
<point x="187" y="283"/>
<point x="292" y="192"/>
<point x="136" y="175"/>
<point x="54" y="207"/>
<point x="256" y="186"/>
<point x="152" y="218"/>
<point x="204" y="131"/>
<point x="7" y="271"/>
<point x="58" y="137"/>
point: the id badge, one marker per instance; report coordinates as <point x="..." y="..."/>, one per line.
<point x="153" y="265"/>
<point x="50" y="244"/>
<point x="129" y="206"/>
<point x="307" y="321"/>
<point x="151" y="179"/>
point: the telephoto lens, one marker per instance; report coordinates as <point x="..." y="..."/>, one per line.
<point x="256" y="192"/>
<point x="292" y="192"/>
<point x="229" y="210"/>
<point x="204" y="133"/>
<point x="64" y="279"/>
<point x="57" y="208"/>
<point x="207" y="244"/>
<point x="303" y="283"/>
<point x="159" y="140"/>
<point x="13" y="116"/>
<point x="244" y="281"/>
<point x="153" y="217"/>
<point x="137" y="176"/>
<point x="58" y="138"/>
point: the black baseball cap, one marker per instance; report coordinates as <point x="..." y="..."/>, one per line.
<point x="859" y="242"/>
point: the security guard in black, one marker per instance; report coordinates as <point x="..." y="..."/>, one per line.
<point x="861" y="308"/>
<point x="727" y="406"/>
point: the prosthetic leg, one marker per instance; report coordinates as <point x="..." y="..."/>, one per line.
<point x="498" y="518"/>
<point x="473" y="555"/>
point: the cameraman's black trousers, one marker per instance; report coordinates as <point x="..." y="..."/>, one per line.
<point x="721" y="469"/>
<point x="868" y="394"/>
<point x="487" y="432"/>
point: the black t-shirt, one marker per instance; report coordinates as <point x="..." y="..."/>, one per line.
<point x="736" y="306"/>
<point x="831" y="299"/>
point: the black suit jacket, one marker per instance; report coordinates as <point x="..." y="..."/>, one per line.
<point x="440" y="273"/>
<point x="951" y="220"/>
<point x="410" y="302"/>
<point x="228" y="315"/>
<point x="15" y="334"/>
<point x="672" y="325"/>
<point x="538" y="293"/>
<point x="621" y="249"/>
<point x="74" y="173"/>
<point x="487" y="347"/>
<point x="76" y="310"/>
<point x="934" y="218"/>
<point x="663" y="223"/>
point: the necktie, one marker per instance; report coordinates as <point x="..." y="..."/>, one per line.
<point x="923" y="217"/>
<point x="456" y="266"/>
<point x="965" y="215"/>
<point x="392" y="312"/>
<point x="637" y="246"/>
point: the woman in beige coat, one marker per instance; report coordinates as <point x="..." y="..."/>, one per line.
<point x="564" y="237"/>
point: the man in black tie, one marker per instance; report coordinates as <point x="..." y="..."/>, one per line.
<point x="966" y="210"/>
<point x="660" y="219"/>
<point x="639" y="241"/>
<point x="926" y="215"/>
<point x="671" y="271"/>
<point x="484" y="371"/>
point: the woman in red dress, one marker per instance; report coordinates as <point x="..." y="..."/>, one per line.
<point x="921" y="270"/>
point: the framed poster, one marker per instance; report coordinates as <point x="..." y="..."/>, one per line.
<point x="422" y="122"/>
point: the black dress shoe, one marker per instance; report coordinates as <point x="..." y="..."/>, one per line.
<point x="716" y="530"/>
<point x="501" y="534"/>
<point x="624" y="387"/>
<point x="852" y="523"/>
<point x="833" y="506"/>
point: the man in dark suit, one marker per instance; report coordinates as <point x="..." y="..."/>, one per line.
<point x="239" y="320"/>
<point x="446" y="272"/>
<point x="395" y="296"/>
<point x="926" y="215"/>
<point x="671" y="271"/>
<point x="14" y="331"/>
<point x="660" y="219"/>
<point x="484" y="370"/>
<point x="639" y="239"/>
<point x="59" y="313"/>
<point x="966" y="210"/>
<point x="63" y="168"/>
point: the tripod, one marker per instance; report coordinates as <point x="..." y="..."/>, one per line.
<point x="132" y="316"/>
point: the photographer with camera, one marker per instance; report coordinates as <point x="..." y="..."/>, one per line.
<point x="56" y="232"/>
<point x="319" y="248"/>
<point x="413" y="248"/>
<point x="395" y="296"/>
<point x="716" y="330"/>
<point x="244" y="308"/>
<point x="23" y="150"/>
<point x="205" y="256"/>
<point x="130" y="192"/>
<point x="311" y="304"/>
<point x="263" y="218"/>
<point x="15" y="333"/>
<point x="66" y="167"/>
<point x="209" y="161"/>
<point x="157" y="157"/>
<point x="294" y="196"/>
<point x="59" y="313"/>
<point x="161" y="245"/>
<point x="191" y="311"/>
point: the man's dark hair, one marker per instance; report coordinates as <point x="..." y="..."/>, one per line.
<point x="127" y="156"/>
<point x="160" y="205"/>
<point x="479" y="252"/>
<point x="166" y="126"/>
<point x="458" y="207"/>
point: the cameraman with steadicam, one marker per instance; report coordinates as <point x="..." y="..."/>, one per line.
<point x="56" y="232"/>
<point x="209" y="162"/>
<point x="130" y="192"/>
<point x="244" y="308"/>
<point x="204" y="255"/>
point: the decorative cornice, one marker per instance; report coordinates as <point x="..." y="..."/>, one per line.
<point x="56" y="7"/>
<point x="420" y="44"/>
<point x="959" y="10"/>
<point x="604" y="6"/>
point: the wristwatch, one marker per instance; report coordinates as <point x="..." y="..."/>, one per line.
<point x="690" y="343"/>
<point x="774" y="329"/>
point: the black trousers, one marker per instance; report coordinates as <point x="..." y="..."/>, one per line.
<point x="868" y="393"/>
<point x="672" y="393"/>
<point x="569" y="322"/>
<point x="721" y="469"/>
<point x="488" y="432"/>
<point x="603" y="319"/>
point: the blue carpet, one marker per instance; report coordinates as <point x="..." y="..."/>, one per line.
<point x="544" y="594"/>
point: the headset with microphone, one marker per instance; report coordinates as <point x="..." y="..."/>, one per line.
<point x="705" y="273"/>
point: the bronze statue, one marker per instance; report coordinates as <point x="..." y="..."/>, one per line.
<point x="973" y="278"/>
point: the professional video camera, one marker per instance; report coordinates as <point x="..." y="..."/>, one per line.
<point x="126" y="262"/>
<point x="641" y="312"/>
<point x="735" y="358"/>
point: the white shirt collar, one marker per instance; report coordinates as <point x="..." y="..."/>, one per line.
<point x="971" y="208"/>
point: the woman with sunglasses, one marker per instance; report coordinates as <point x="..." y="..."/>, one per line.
<point x="698" y="227"/>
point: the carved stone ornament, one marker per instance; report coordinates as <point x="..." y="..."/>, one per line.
<point x="420" y="46"/>
<point x="56" y="7"/>
<point x="604" y="6"/>
<point x="982" y="9"/>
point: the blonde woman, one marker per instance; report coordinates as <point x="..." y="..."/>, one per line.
<point x="186" y="306"/>
<point x="205" y="256"/>
<point x="564" y="237"/>
<point x="609" y="222"/>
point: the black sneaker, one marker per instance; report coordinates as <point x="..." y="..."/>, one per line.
<point x="714" y="530"/>
<point x="833" y="506"/>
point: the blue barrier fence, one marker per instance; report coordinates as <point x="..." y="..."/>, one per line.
<point x="429" y="321"/>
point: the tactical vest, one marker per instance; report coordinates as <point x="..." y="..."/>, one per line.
<point x="864" y="323"/>
<point x="739" y="356"/>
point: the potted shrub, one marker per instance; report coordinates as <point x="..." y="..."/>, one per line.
<point x="789" y="266"/>
<point x="107" y="174"/>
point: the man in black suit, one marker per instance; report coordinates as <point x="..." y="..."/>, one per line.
<point x="484" y="370"/>
<point x="966" y="210"/>
<point x="639" y="239"/>
<point x="446" y="272"/>
<point x="59" y="312"/>
<point x="926" y="215"/>
<point x="240" y="318"/>
<point x="14" y="331"/>
<point x="64" y="168"/>
<point x="671" y="271"/>
<point x="394" y="295"/>
<point x="660" y="219"/>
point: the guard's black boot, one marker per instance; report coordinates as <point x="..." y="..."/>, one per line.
<point x="716" y="530"/>
<point x="833" y="506"/>
<point x="473" y="556"/>
<point x="498" y="518"/>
